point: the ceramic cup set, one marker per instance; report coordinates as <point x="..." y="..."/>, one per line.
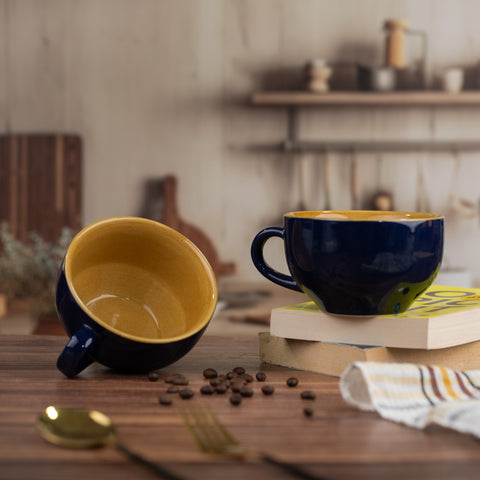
<point x="136" y="295"/>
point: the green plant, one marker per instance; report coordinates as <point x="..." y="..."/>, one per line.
<point x="28" y="270"/>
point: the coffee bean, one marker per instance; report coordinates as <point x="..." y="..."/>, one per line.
<point x="308" y="411"/>
<point x="186" y="393"/>
<point x="236" y="399"/>
<point x="268" y="389"/>
<point x="215" y="381"/>
<point x="246" y="392"/>
<point x="261" y="377"/>
<point x="153" y="376"/>
<point x="230" y="375"/>
<point x="236" y="387"/>
<point x="180" y="381"/>
<point x="207" y="390"/>
<point x="210" y="373"/>
<point x="222" y="388"/>
<point x="292" y="382"/>
<point x="247" y="377"/>
<point x="237" y="381"/>
<point x="173" y="389"/>
<point x="308" y="395"/>
<point x="239" y="370"/>
<point x="165" y="399"/>
<point x="171" y="378"/>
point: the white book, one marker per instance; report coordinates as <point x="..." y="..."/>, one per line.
<point x="441" y="317"/>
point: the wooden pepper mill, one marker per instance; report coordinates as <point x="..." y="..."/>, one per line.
<point x="395" y="43"/>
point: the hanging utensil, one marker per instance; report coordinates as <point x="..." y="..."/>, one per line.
<point x="302" y="163"/>
<point x="355" y="186"/>
<point x="381" y="199"/>
<point x="459" y="205"/>
<point x="423" y="203"/>
<point x="326" y="179"/>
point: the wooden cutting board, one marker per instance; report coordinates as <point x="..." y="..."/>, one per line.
<point x="161" y="205"/>
<point x="40" y="184"/>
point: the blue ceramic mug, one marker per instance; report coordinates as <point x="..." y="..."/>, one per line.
<point x="133" y="295"/>
<point x="356" y="262"/>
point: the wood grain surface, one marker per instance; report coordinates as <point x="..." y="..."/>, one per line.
<point x="403" y="99"/>
<point x="338" y="442"/>
<point x="41" y="184"/>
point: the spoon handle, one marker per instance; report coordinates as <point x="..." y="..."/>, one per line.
<point x="160" y="471"/>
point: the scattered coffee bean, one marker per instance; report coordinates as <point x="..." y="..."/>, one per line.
<point x="207" y="390"/>
<point x="222" y="388"/>
<point x="308" y="411"/>
<point x="165" y="399"/>
<point x="268" y="389"/>
<point x="292" y="382"/>
<point x="247" y="377"/>
<point x="237" y="381"/>
<point x="170" y="378"/>
<point x="308" y="395"/>
<point x="236" y="387"/>
<point x="186" y="393"/>
<point x="180" y="381"/>
<point x="153" y="376"/>
<point x="236" y="399"/>
<point x="210" y="373"/>
<point x="246" y="392"/>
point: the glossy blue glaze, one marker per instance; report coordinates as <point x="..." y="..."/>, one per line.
<point x="356" y="267"/>
<point x="91" y="342"/>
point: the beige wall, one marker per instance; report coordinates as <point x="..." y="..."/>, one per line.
<point x="161" y="86"/>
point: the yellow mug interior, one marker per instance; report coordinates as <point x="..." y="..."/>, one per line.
<point x="364" y="215"/>
<point x="141" y="279"/>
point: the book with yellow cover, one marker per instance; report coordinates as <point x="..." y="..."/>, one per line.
<point x="441" y="317"/>
<point x="334" y="358"/>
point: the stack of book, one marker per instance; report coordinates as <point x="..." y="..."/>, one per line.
<point x="442" y="328"/>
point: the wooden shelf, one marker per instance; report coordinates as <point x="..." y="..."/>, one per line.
<point x="294" y="101"/>
<point x="425" y="98"/>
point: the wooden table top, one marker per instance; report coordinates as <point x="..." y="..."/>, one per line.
<point x="338" y="442"/>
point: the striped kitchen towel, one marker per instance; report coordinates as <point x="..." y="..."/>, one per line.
<point x="416" y="395"/>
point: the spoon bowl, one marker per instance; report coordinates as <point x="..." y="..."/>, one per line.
<point x="76" y="427"/>
<point x="80" y="429"/>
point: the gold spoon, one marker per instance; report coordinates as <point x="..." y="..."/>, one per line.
<point x="79" y="428"/>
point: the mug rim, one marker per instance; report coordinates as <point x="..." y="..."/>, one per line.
<point x="181" y="239"/>
<point x="365" y="215"/>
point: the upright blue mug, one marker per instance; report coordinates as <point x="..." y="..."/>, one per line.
<point x="356" y="262"/>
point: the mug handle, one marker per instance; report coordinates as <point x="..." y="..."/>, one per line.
<point x="75" y="357"/>
<point x="263" y="267"/>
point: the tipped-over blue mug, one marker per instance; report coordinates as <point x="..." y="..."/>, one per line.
<point x="356" y="262"/>
<point x="133" y="295"/>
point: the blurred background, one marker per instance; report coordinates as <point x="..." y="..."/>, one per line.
<point x="144" y="107"/>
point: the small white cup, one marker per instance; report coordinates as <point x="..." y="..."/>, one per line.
<point x="452" y="80"/>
